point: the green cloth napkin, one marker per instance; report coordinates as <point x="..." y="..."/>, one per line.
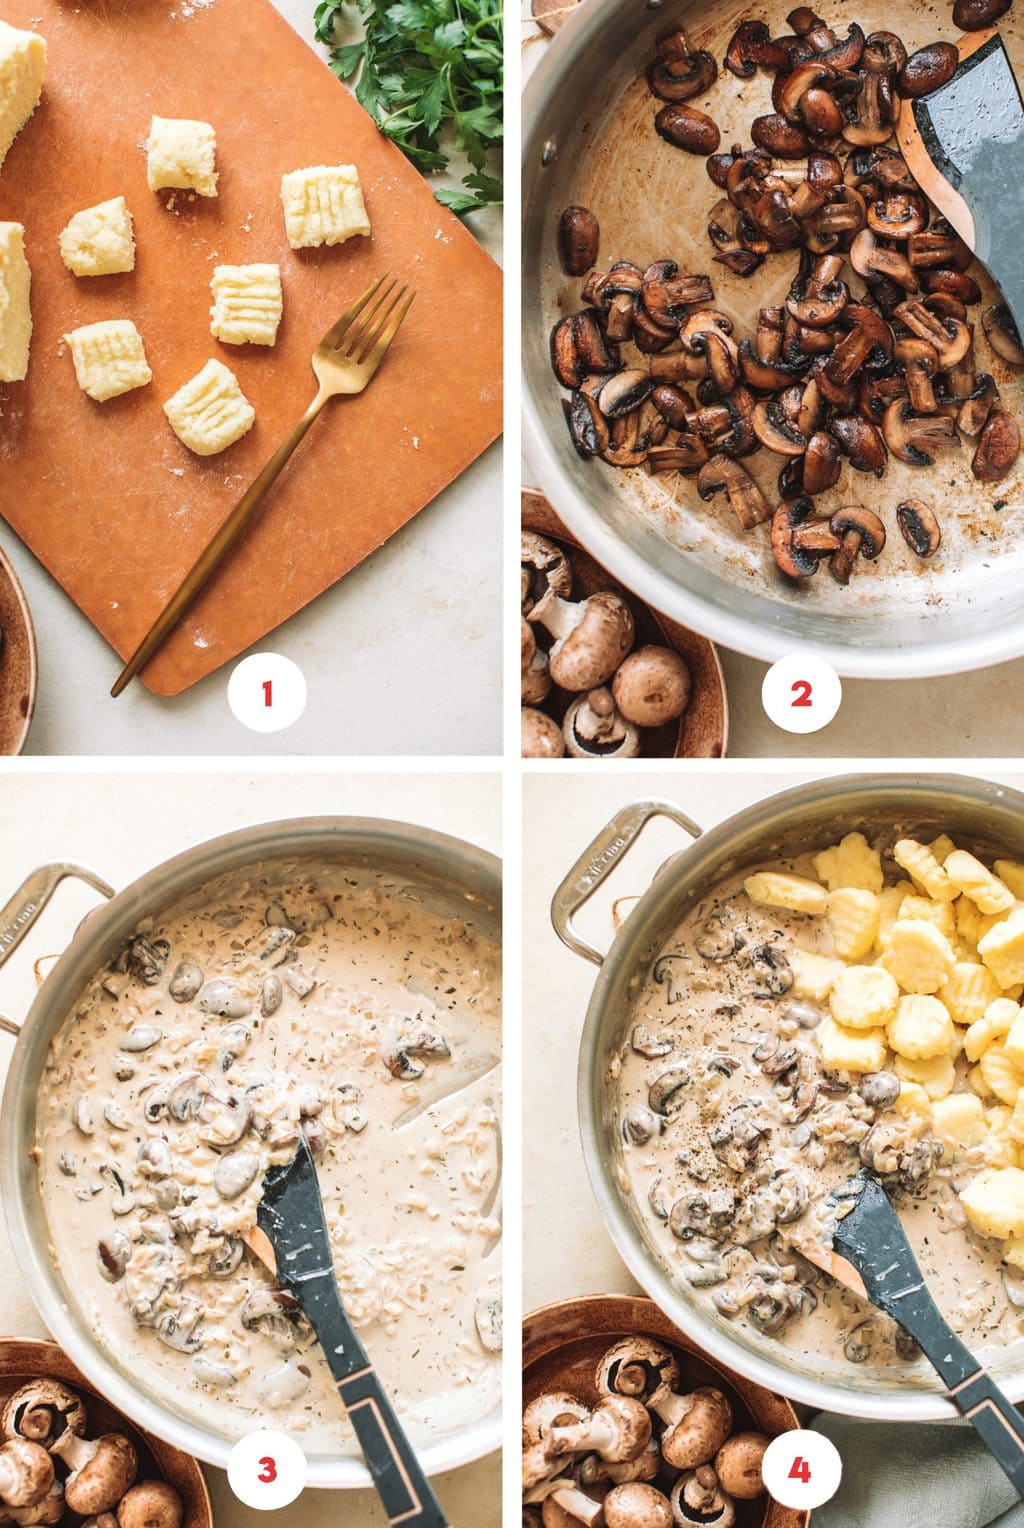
<point x="919" y="1475"/>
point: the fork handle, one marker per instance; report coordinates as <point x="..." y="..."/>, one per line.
<point x="210" y="559"/>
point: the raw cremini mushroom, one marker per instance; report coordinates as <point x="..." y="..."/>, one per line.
<point x="44" y="1513"/>
<point x="637" y="1505"/>
<point x="618" y="1429"/>
<point x="150" y="1504"/>
<point x="591" y="637"/>
<point x="738" y="1464"/>
<point x="26" y="1473"/>
<point x="652" y="686"/>
<point x="594" y="728"/>
<point x="101" y="1471"/>
<point x="541" y="736"/>
<point x="698" y="1501"/>
<point x="43" y="1411"/>
<point x="698" y="1425"/>
<point x="556" y="1408"/>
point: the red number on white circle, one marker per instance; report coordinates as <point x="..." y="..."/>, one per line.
<point x="268" y="1472"/>
<point x="802" y="693"/>
<point x="268" y="692"/>
<point x="800" y="1470"/>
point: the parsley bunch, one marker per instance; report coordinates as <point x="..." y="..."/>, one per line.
<point x="427" y="65"/>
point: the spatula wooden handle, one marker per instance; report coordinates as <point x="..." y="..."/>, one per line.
<point x="207" y="563"/>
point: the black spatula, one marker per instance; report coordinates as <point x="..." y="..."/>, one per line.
<point x="873" y="1258"/>
<point x="291" y="1238"/>
<point x="964" y="145"/>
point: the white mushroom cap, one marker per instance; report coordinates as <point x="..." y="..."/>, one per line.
<point x="541" y="737"/>
<point x="652" y="686"/>
<point x="150" y="1504"/>
<point x="594" y="729"/>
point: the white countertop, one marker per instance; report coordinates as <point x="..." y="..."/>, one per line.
<point x="966" y="714"/>
<point x="561" y="815"/>
<point x="121" y="826"/>
<point x="401" y="657"/>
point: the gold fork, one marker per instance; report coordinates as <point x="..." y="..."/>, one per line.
<point x="344" y="363"/>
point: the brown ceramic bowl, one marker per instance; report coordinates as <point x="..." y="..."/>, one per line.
<point x="18" y="667"/>
<point x="563" y="1343"/>
<point x="702" y="732"/>
<point x="22" y="1359"/>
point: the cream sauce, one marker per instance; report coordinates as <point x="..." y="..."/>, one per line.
<point x="785" y="1140"/>
<point x="259" y="1007"/>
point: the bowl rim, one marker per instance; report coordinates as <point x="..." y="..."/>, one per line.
<point x="8" y="572"/>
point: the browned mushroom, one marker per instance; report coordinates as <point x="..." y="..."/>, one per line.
<point x="798" y="543"/>
<point x="1001" y="333"/>
<point x="821" y="463"/>
<point x="861" y="534"/>
<point x="977" y="406"/>
<point x="687" y="128"/>
<point x="678" y="72"/>
<point x="919" y="363"/>
<point x="927" y="69"/>
<point x="869" y="259"/>
<point x="724" y="474"/>
<point x="950" y="337"/>
<point x="919" y="527"/>
<point x="860" y="443"/>
<point x="977" y="15"/>
<point x="578" y="239"/>
<point x="998" y="447"/>
<point x="752" y="48"/>
<point x="780" y="137"/>
<point x="917" y="438"/>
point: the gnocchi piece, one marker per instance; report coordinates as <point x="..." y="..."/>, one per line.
<point x="1015" y="1124"/>
<point x="999" y="1149"/>
<point x="942" y="847"/>
<point x="100" y="240"/>
<point x="851" y="862"/>
<point x="988" y="893"/>
<point x="994" y="1202"/>
<point x="1014" y="1041"/>
<point x="181" y="154"/>
<point x="889" y="903"/>
<point x="1013" y="1252"/>
<point x="864" y="997"/>
<point x="323" y="205"/>
<point x="1001" y="1073"/>
<point x="919" y="955"/>
<point x="851" y="1050"/>
<point x="939" y="913"/>
<point x="22" y="69"/>
<point x="924" y="869"/>
<point x="853" y="918"/>
<point x="937" y="1075"/>
<point x="109" y="357"/>
<point x="960" y="1120"/>
<point x="814" y="975"/>
<point x="968" y="992"/>
<point x="247" y="304"/>
<point x="913" y="1102"/>
<point x="994" y="1023"/>
<point x="15" y="309"/>
<point x="977" y="1083"/>
<point x="922" y="1028"/>
<point x="210" y="412"/>
<point x="1002" y="949"/>
<point x="794" y="893"/>
<point x="1012" y="875"/>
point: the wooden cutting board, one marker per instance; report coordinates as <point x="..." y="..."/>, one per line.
<point x="104" y="494"/>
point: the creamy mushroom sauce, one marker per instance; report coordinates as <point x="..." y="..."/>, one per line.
<point x="752" y="1143"/>
<point x="258" y="1007"/>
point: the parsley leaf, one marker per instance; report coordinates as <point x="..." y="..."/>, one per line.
<point x="430" y="73"/>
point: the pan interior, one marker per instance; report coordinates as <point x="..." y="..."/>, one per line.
<point x="594" y="124"/>
<point x="800" y="821"/>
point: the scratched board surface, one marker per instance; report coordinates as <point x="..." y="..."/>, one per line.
<point x="104" y="494"/>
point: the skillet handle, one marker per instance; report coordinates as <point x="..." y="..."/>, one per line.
<point x="598" y="861"/>
<point x="28" y="902"/>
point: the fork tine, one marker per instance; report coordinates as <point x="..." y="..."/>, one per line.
<point x="335" y="334"/>
<point x="357" y="336"/>
<point x="365" y="339"/>
<point x="384" y="336"/>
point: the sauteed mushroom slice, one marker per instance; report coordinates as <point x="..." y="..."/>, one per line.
<point x="780" y="137"/>
<point x="977" y="406"/>
<point x="860" y="443"/>
<point x="1001" y="333"/>
<point x="579" y="238"/>
<point x="688" y="129"/>
<point x="998" y="447"/>
<point x="724" y="474"/>
<point x="976" y="15"/>
<point x="927" y="69"/>
<point x="917" y="438"/>
<point x="861" y="534"/>
<point x="869" y="259"/>
<point x="678" y="73"/>
<point x="751" y="48"/>
<point x="919" y="527"/>
<point x="798" y="542"/>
